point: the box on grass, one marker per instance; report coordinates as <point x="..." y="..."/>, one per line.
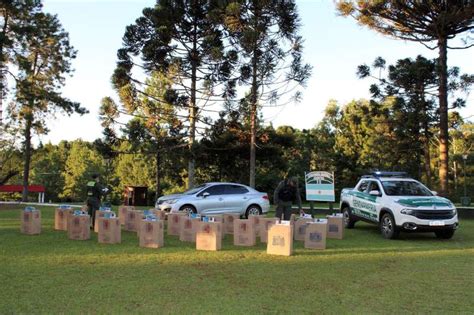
<point x="187" y="228"/>
<point x="173" y="222"/>
<point x="122" y="213"/>
<point x="315" y="237"/>
<point x="217" y="218"/>
<point x="78" y="226"/>
<point x="229" y="219"/>
<point x="209" y="236"/>
<point x="109" y="230"/>
<point x="30" y="221"/>
<point x="335" y="226"/>
<point x="152" y="233"/>
<point x="102" y="212"/>
<point x="244" y="233"/>
<point x="265" y="225"/>
<point x="132" y="220"/>
<point x="300" y="228"/>
<point x="60" y="217"/>
<point x="280" y="239"/>
<point x="160" y="215"/>
<point x="255" y="220"/>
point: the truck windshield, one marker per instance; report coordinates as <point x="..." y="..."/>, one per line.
<point x="405" y="188"/>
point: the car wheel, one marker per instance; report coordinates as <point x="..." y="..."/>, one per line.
<point x="349" y="220"/>
<point x="388" y="227"/>
<point x="188" y="209"/>
<point x="253" y="210"/>
<point x="445" y="234"/>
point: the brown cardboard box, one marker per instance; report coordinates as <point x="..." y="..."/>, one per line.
<point x="244" y="233"/>
<point x="315" y="237"/>
<point x="60" y="218"/>
<point x="229" y="219"/>
<point x="98" y="214"/>
<point x="187" y="228"/>
<point x="265" y="225"/>
<point x="300" y="228"/>
<point x="255" y="220"/>
<point x="132" y="220"/>
<point x="160" y="215"/>
<point x="30" y="222"/>
<point x="280" y="240"/>
<point x="219" y="218"/>
<point x="122" y="213"/>
<point x="209" y="236"/>
<point x="152" y="234"/>
<point x="78" y="227"/>
<point x="109" y="230"/>
<point x="335" y="226"/>
<point x="173" y="223"/>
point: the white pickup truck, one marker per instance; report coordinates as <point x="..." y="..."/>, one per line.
<point x="396" y="202"/>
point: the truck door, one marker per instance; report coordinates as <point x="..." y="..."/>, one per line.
<point x="363" y="203"/>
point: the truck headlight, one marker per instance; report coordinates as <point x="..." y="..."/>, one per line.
<point x="407" y="211"/>
<point x="454" y="211"/>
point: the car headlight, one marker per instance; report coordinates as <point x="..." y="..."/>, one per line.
<point x="454" y="211"/>
<point x="407" y="211"/>
<point x="171" y="201"/>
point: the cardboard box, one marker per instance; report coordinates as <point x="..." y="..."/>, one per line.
<point x="244" y="233"/>
<point x="187" y="228"/>
<point x="255" y="220"/>
<point x="335" y="226"/>
<point x="265" y="225"/>
<point x="173" y="223"/>
<point x="152" y="234"/>
<point x="99" y="214"/>
<point x="280" y="240"/>
<point x="109" y="230"/>
<point x="229" y="219"/>
<point x="132" y="220"/>
<point x="78" y="227"/>
<point x="161" y="215"/>
<point x="209" y="236"/>
<point x="315" y="237"/>
<point x="60" y="218"/>
<point x="122" y="213"/>
<point x="300" y="228"/>
<point x="219" y="218"/>
<point x="30" y="222"/>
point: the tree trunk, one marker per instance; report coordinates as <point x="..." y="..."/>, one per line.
<point x="192" y="112"/>
<point x="26" y="169"/>
<point x="158" y="175"/>
<point x="443" y="116"/>
<point x="253" y="124"/>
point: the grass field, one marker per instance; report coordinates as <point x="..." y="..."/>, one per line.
<point x="361" y="274"/>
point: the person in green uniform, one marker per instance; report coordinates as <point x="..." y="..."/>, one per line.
<point x="285" y="194"/>
<point x="95" y="191"/>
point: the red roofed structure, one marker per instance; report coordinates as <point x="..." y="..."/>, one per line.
<point x="40" y="189"/>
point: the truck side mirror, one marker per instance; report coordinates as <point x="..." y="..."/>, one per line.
<point x="375" y="193"/>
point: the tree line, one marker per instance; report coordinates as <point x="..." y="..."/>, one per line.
<point x="183" y="62"/>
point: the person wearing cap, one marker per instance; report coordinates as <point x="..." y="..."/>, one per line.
<point x="285" y="194"/>
<point x="95" y="191"/>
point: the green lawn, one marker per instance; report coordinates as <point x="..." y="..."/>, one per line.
<point x="361" y="274"/>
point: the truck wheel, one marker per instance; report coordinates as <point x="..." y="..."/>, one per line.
<point x="349" y="220"/>
<point x="445" y="234"/>
<point x="388" y="228"/>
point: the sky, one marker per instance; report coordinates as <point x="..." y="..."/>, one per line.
<point x="333" y="45"/>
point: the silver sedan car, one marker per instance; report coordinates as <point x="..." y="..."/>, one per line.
<point x="217" y="198"/>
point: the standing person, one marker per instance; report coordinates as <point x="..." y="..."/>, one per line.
<point x="285" y="194"/>
<point x="94" y="193"/>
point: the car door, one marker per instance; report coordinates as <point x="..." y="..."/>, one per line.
<point x="360" y="201"/>
<point x="374" y="201"/>
<point x="236" y="198"/>
<point x="214" y="202"/>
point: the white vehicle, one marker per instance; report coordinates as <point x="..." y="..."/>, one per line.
<point x="396" y="202"/>
<point x="217" y="198"/>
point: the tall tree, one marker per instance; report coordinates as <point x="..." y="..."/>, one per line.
<point x="424" y="22"/>
<point x="266" y="34"/>
<point x="183" y="36"/>
<point x="15" y="26"/>
<point x="43" y="61"/>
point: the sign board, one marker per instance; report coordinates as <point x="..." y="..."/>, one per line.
<point x="320" y="186"/>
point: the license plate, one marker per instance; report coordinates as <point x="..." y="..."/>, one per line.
<point x="436" y="223"/>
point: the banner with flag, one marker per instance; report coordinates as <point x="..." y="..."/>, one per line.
<point x="320" y="186"/>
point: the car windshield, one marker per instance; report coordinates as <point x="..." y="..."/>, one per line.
<point x="405" y="188"/>
<point x="194" y="190"/>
